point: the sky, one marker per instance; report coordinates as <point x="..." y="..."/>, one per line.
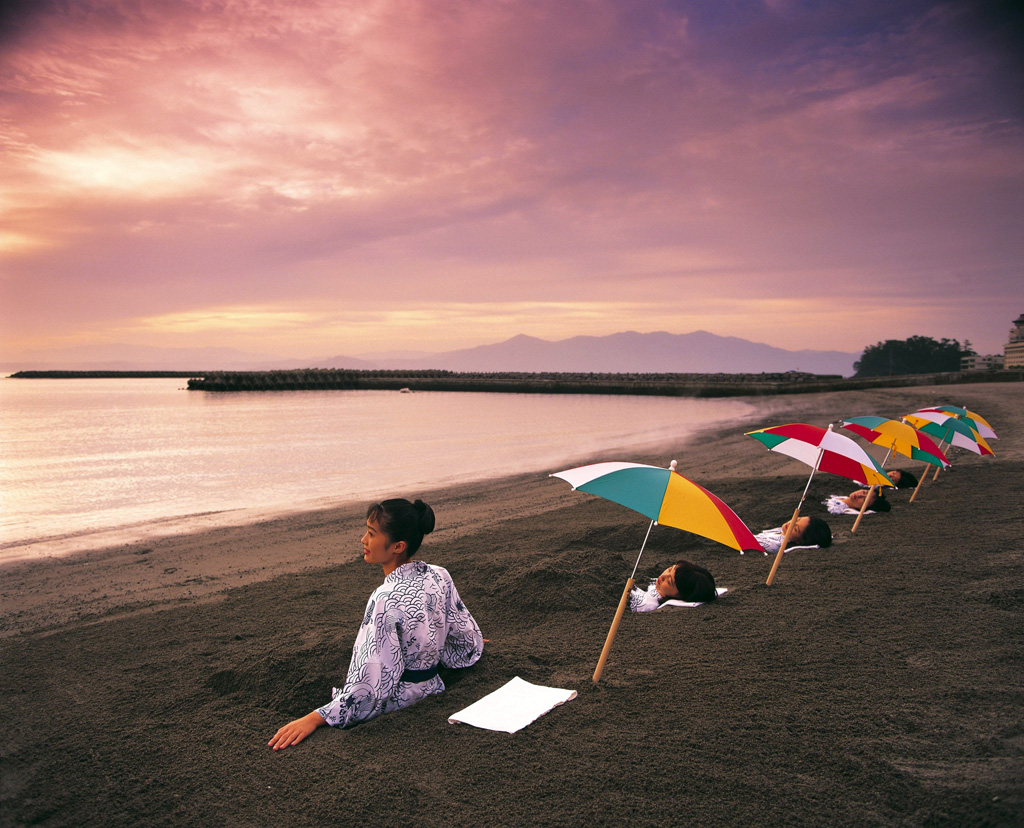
<point x="311" y="178"/>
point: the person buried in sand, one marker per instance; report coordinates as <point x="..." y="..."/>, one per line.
<point x="902" y="479"/>
<point x="838" y="505"/>
<point x="683" y="580"/>
<point x="807" y="531"/>
<point x="413" y="622"/>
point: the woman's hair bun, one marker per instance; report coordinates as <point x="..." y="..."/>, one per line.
<point x="426" y="516"/>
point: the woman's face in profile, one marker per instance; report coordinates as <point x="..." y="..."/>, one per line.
<point x="856" y="499"/>
<point x="798" y="528"/>
<point x="666" y="583"/>
<point x="894" y="476"/>
<point x="377" y="547"/>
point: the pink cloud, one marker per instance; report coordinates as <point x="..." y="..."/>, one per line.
<point x="174" y="158"/>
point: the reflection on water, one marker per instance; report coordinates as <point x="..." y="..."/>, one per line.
<point x="82" y="455"/>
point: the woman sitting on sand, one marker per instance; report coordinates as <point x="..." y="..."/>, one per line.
<point x="902" y="479"/>
<point x="807" y="531"/>
<point x="413" y="622"/>
<point x="839" y="505"/>
<point x="683" y="580"/>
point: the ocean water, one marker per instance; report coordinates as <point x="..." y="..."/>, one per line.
<point x="82" y="458"/>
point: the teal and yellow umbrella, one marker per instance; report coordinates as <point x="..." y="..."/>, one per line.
<point x="664" y="496"/>
<point x="898" y="436"/>
<point x="952" y="429"/>
<point x="667" y="498"/>
<point x="974" y="420"/>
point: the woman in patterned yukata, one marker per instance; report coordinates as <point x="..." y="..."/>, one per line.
<point x="413" y="622"/>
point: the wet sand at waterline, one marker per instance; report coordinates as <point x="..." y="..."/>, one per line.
<point x="877" y="682"/>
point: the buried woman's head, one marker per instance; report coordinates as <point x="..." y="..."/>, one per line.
<point x="687" y="581"/>
<point x="902" y="479"/>
<point x="808" y="531"/>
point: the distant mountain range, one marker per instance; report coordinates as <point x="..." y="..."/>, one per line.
<point x="630" y="352"/>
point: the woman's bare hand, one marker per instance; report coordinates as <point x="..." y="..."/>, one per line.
<point x="294" y="732"/>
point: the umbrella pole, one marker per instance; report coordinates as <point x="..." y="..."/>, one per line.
<point x="614" y="629"/>
<point x="796" y="514"/>
<point x="623" y="601"/>
<point x="920" y="482"/>
<point x="782" y="548"/>
<point x="863" y="508"/>
<point x="864" y="505"/>
<point x="949" y="434"/>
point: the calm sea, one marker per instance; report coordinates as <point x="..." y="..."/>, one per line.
<point x="80" y="459"/>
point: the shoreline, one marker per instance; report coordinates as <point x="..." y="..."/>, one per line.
<point x="198" y="557"/>
<point x="876" y="683"/>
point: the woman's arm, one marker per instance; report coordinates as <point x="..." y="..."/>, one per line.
<point x="294" y="732"/>
<point x="465" y="643"/>
<point x="375" y="670"/>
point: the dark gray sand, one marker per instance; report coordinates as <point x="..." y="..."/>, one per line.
<point x="878" y="682"/>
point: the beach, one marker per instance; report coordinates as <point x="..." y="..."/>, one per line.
<point x="878" y="682"/>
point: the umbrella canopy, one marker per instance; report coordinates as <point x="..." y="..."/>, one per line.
<point x="975" y="421"/>
<point x="896" y="436"/>
<point x="949" y="429"/>
<point x="666" y="497"/>
<point x="823" y="449"/>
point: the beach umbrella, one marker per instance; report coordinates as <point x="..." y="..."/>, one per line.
<point x="823" y="450"/>
<point x="975" y="421"/>
<point x="951" y="430"/>
<point x="898" y="436"/>
<point x="667" y="498"/>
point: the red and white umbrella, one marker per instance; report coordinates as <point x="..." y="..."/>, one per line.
<point x="821" y="449"/>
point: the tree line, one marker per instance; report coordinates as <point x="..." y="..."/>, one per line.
<point x="916" y="355"/>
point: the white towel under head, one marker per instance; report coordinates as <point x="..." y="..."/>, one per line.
<point x="676" y="602"/>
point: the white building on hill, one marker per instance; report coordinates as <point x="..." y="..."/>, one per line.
<point x="977" y="362"/>
<point x="1014" y="349"/>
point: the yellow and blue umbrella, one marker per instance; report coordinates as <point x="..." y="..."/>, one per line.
<point x="896" y="436"/>
<point x="950" y="429"/>
<point x="975" y="421"/>
<point x="666" y="497"/>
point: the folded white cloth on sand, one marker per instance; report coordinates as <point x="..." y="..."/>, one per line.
<point x="512" y="706"/>
<point x="675" y="602"/>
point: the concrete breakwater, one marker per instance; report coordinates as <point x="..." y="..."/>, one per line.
<point x="680" y="385"/>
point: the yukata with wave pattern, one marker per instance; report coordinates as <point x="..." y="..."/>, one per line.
<point x="414" y="622"/>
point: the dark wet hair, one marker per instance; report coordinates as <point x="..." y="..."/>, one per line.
<point x="401" y="520"/>
<point x="907" y="479"/>
<point x="880" y="504"/>
<point x="694" y="583"/>
<point x="817" y="533"/>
